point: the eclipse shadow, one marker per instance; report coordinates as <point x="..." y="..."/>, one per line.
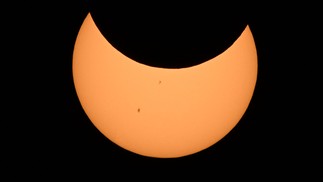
<point x="168" y="35"/>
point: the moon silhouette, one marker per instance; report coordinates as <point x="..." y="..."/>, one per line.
<point x="170" y="35"/>
<point x="161" y="112"/>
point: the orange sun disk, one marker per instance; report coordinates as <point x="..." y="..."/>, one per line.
<point x="163" y="113"/>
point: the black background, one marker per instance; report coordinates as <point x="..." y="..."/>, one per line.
<point x="46" y="132"/>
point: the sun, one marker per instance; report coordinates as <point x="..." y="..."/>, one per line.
<point x="159" y="112"/>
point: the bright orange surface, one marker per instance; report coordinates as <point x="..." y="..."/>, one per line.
<point x="159" y="112"/>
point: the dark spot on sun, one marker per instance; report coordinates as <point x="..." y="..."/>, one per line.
<point x="138" y="110"/>
<point x="159" y="82"/>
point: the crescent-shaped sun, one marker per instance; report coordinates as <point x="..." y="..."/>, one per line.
<point x="158" y="112"/>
